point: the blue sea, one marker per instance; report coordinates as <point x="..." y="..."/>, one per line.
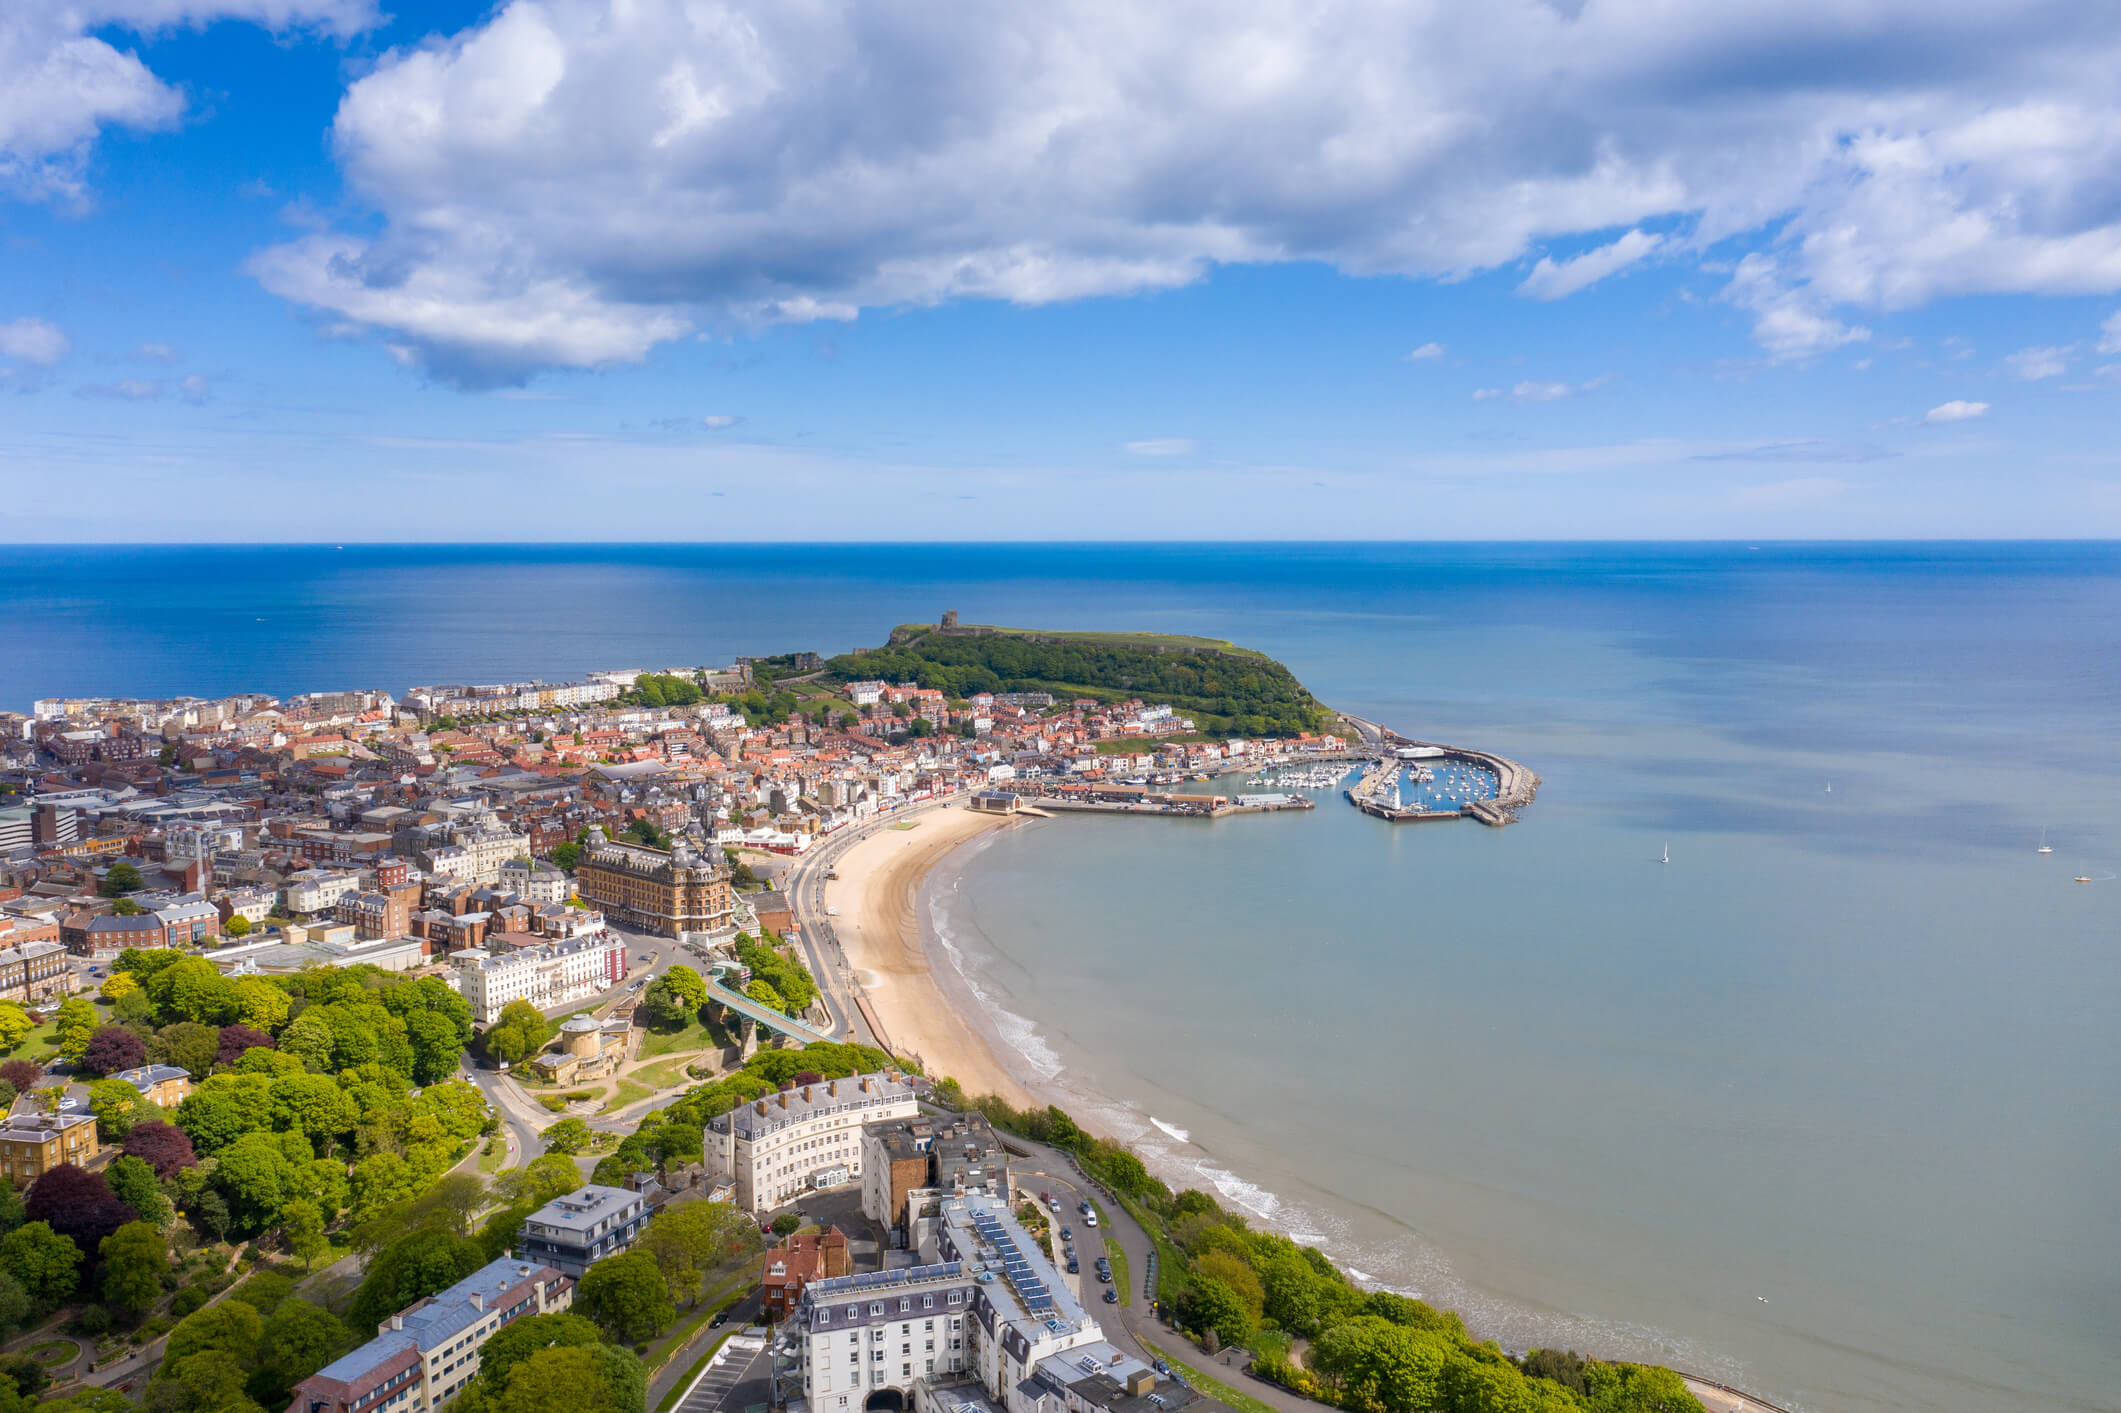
<point x="1825" y="1107"/>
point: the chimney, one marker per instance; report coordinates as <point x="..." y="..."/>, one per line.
<point x="806" y="1094"/>
<point x="784" y="1099"/>
<point x="759" y="1108"/>
<point x="833" y="1089"/>
<point x="478" y="1300"/>
<point x="397" y="1322"/>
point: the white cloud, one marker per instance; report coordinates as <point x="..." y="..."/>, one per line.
<point x="1425" y="353"/>
<point x="2033" y="364"/>
<point x="1956" y="411"/>
<point x="1160" y="446"/>
<point x="1551" y="281"/>
<point x="195" y="389"/>
<point x="155" y="353"/>
<point x="61" y="83"/>
<point x="128" y="389"/>
<point x="33" y="341"/>
<point x="1537" y="391"/>
<point x="2110" y="333"/>
<point x="570" y="182"/>
<point x="718" y="421"/>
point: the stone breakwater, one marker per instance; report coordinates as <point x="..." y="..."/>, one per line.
<point x="1376" y="793"/>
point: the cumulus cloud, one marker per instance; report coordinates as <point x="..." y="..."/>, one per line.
<point x="33" y="341"/>
<point x="1426" y="353"/>
<point x="1956" y="411"/>
<point x="717" y="421"/>
<point x="62" y="83"/>
<point x="1160" y="446"/>
<point x="1551" y="281"/>
<point x="570" y="182"/>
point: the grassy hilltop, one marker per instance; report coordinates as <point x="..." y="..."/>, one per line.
<point x="1223" y="687"/>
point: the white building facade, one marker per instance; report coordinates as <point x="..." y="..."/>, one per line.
<point x="801" y="1139"/>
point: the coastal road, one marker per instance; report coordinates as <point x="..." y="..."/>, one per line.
<point x="820" y="940"/>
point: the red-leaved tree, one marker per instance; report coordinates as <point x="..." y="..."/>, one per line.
<point x="76" y="1203"/>
<point x="111" y="1049"/>
<point x="235" y="1039"/>
<point x="163" y="1147"/>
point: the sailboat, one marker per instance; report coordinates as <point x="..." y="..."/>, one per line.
<point x="1667" y="854"/>
<point x="2045" y="847"/>
<point x="1830" y="787"/>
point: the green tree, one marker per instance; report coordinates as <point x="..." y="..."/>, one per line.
<point x="44" y="1263"/>
<point x="309" y="1040"/>
<point x="626" y="1296"/>
<point x="378" y="1181"/>
<point x="761" y="991"/>
<point x="591" y="1379"/>
<point x="787" y="1224"/>
<point x="690" y="1239"/>
<point x="255" y="1178"/>
<point x="436" y="1045"/>
<point x="132" y="1181"/>
<point x="189" y="1045"/>
<point x="118" y="1106"/>
<point x="302" y="1221"/>
<point x="686" y="984"/>
<point x="77" y="1021"/>
<point x="262" y="1005"/>
<point x="409" y="1269"/>
<point x="209" y="1354"/>
<point x="1636" y="1388"/>
<point x="298" y="1339"/>
<point x="1231" y="1270"/>
<point x="566" y="855"/>
<point x="568" y="1136"/>
<point x="14" y="1025"/>
<point x="121" y="879"/>
<point x="516" y="1342"/>
<point x="313" y="1104"/>
<point x="519" y="1032"/>
<point x="135" y="1256"/>
<point x="15" y="1307"/>
<point x="1211" y="1306"/>
<point x="236" y="926"/>
<point x="1373" y="1363"/>
<point x="224" y="1108"/>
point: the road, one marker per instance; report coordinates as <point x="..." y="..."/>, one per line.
<point x="820" y="940"/>
<point x="1127" y="1325"/>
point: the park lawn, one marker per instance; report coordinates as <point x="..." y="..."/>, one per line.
<point x="628" y="1093"/>
<point x="666" y="1075"/>
<point x="1213" y="1387"/>
<point x="493" y="1162"/>
<point x="691" y="1036"/>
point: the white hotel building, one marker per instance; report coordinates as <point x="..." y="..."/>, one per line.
<point x="548" y="976"/>
<point x="799" y="1139"/>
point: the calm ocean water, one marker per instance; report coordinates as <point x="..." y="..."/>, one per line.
<point x="1852" y="1051"/>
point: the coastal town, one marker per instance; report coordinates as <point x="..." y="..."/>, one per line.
<point x="371" y="1050"/>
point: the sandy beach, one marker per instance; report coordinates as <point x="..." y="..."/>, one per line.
<point x="879" y="924"/>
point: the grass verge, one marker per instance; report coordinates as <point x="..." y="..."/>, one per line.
<point x="677" y="1390"/>
<point x="1121" y="1281"/>
<point x="1212" y="1386"/>
<point x="628" y="1093"/>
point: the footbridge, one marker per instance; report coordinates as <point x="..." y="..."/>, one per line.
<point x="765" y="1017"/>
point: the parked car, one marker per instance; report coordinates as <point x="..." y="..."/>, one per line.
<point x="1112" y="1297"/>
<point x="1067" y="1233"/>
<point x="1089" y="1219"/>
<point x="1105" y="1277"/>
<point x="1046" y="1197"/>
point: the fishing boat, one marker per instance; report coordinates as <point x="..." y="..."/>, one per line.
<point x="2084" y="878"/>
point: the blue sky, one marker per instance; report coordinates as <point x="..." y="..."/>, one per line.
<point x="552" y="269"/>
